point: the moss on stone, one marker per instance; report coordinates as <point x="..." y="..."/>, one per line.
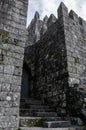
<point x="74" y="23"/>
<point x="3" y="33"/>
<point x="6" y="39"/>
<point x="35" y="122"/>
<point x="38" y="121"/>
<point x="76" y="60"/>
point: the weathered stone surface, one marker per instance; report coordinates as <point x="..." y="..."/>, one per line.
<point x="38" y="27"/>
<point x="50" y="67"/>
<point x="59" y="61"/>
<point x="12" y="42"/>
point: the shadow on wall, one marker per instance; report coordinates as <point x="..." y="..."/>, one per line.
<point x="26" y="82"/>
<point x="76" y="105"/>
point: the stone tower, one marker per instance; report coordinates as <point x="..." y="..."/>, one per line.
<point x="60" y="59"/>
<point x="12" y="42"/>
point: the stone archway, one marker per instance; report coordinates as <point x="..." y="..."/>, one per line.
<point x="26" y="82"/>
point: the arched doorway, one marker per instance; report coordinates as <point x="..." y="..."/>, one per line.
<point x="26" y="82"/>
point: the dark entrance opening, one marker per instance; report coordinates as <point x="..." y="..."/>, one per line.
<point x="26" y="82"/>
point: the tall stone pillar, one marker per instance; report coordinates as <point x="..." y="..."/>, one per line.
<point x="12" y="42"/>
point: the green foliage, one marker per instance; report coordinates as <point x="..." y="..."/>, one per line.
<point x="76" y="60"/>
<point x="4" y="33"/>
<point x="35" y="122"/>
<point x="74" y="23"/>
<point x="38" y="121"/>
<point x="6" y="39"/>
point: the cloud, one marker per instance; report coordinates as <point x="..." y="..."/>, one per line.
<point x="71" y="4"/>
<point x="78" y="6"/>
<point x="47" y="7"/>
<point x="83" y="10"/>
<point x="34" y="5"/>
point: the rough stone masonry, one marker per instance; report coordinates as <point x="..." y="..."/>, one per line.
<point x="57" y="60"/>
<point x="12" y="42"/>
<point x="59" y="55"/>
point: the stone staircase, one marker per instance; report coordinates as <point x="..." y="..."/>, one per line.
<point x="35" y="114"/>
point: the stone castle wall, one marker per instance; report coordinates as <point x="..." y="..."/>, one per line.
<point x="60" y="60"/>
<point x="38" y="27"/>
<point x="12" y="42"/>
<point x="75" y="39"/>
<point x="50" y="65"/>
<point x="51" y="76"/>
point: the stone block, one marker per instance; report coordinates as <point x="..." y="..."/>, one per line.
<point x="10" y="111"/>
<point x="8" y="122"/>
<point x="18" y="71"/>
<point x="5" y="87"/>
<point x="15" y="88"/>
<point x="9" y="69"/>
<point x="1" y="68"/>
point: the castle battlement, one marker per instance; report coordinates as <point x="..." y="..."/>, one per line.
<point x="60" y="57"/>
<point x="63" y="13"/>
<point x="38" y="27"/>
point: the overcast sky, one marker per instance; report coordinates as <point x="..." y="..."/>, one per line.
<point x="46" y="7"/>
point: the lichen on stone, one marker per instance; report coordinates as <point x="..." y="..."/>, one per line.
<point x="5" y="38"/>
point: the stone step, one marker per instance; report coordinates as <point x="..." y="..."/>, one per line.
<point x="39" y="128"/>
<point x="38" y="106"/>
<point x="29" y="101"/>
<point x="33" y="106"/>
<point x="29" y="121"/>
<point x="55" y="124"/>
<point x="33" y="121"/>
<point x="30" y="112"/>
<point x="55" y="118"/>
<point x="43" y="118"/>
<point x="45" y="114"/>
<point x="26" y="120"/>
<point x="24" y="113"/>
<point x="35" y="110"/>
<point x="38" y="114"/>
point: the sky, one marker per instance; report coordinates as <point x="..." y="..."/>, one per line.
<point x="47" y="7"/>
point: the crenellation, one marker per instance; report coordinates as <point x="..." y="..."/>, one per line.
<point x="36" y="16"/>
<point x="52" y="19"/>
<point x="74" y="16"/>
<point x="38" y="27"/>
<point x="45" y="19"/>
<point x="83" y="24"/>
<point x="62" y="11"/>
<point x="80" y="21"/>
